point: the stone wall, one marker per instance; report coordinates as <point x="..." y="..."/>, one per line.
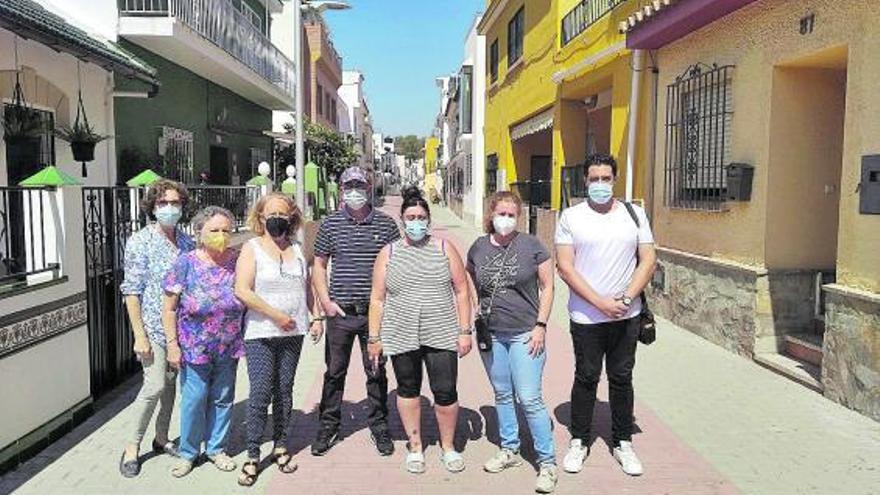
<point x="546" y="228"/>
<point x="714" y="300"/>
<point x="851" y="349"/>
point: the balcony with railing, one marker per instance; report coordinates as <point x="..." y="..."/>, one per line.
<point x="583" y="15"/>
<point x="215" y="40"/>
<point x="29" y="237"/>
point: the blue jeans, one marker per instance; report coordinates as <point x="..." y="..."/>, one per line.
<point x="513" y="371"/>
<point x="208" y="392"/>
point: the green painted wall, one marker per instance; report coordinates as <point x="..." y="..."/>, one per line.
<point x="215" y="116"/>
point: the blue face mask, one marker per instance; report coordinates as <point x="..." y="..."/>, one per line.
<point x="167" y="215"/>
<point x="600" y="192"/>
<point x="416" y="230"/>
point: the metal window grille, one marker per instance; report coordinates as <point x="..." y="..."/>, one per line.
<point x="584" y="15"/>
<point x="258" y="155"/>
<point x="176" y="149"/>
<point x="572" y="185"/>
<point x="46" y="148"/>
<point x="491" y="174"/>
<point x="699" y="112"/>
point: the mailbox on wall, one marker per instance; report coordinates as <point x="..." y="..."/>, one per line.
<point x="869" y="187"/>
<point x="739" y="181"/>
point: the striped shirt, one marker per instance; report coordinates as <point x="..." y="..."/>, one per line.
<point x="419" y="307"/>
<point x="352" y="247"/>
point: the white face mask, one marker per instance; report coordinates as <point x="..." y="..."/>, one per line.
<point x="504" y="225"/>
<point x="355" y="198"/>
<point x="600" y="192"/>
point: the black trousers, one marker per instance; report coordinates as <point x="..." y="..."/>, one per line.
<point x="341" y="334"/>
<point x="616" y="342"/>
<point x="442" y="369"/>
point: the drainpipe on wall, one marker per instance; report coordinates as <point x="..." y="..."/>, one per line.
<point x="632" y="135"/>
<point x="652" y="138"/>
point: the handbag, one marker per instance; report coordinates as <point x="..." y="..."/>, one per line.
<point x="645" y="321"/>
<point x="481" y="323"/>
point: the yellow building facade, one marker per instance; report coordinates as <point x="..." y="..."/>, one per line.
<point x="790" y="274"/>
<point x="431" y="144"/>
<point x="561" y="94"/>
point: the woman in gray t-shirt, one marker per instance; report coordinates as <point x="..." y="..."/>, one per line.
<point x="513" y="276"/>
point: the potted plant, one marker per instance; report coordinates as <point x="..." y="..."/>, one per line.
<point x="21" y="124"/>
<point x="82" y="139"/>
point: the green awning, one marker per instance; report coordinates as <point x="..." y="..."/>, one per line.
<point x="145" y="178"/>
<point x="50" y="176"/>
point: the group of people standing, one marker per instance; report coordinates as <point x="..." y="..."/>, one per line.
<point x="197" y="307"/>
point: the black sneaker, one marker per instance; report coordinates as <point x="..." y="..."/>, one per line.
<point x="382" y="440"/>
<point x="327" y="437"/>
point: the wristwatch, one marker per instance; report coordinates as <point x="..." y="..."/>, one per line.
<point x="626" y="300"/>
<point x="541" y="324"/>
<point x="374" y="339"/>
<point x="466" y="331"/>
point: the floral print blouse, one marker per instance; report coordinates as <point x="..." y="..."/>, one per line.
<point x="149" y="255"/>
<point x="209" y="316"/>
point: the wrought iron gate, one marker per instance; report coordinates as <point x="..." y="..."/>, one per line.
<point x="111" y="215"/>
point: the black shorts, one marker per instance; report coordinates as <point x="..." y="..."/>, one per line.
<point x="442" y="374"/>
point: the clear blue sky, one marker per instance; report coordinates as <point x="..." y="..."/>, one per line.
<point x="401" y="46"/>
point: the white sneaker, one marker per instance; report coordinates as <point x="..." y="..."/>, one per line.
<point x="626" y="456"/>
<point x="547" y="477"/>
<point x="505" y="458"/>
<point x="574" y="459"/>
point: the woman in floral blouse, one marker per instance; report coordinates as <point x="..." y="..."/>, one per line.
<point x="203" y="325"/>
<point x="149" y="255"/>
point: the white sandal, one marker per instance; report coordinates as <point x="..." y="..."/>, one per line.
<point x="452" y="461"/>
<point x="415" y="462"/>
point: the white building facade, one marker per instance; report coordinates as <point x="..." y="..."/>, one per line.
<point x="356" y="117"/>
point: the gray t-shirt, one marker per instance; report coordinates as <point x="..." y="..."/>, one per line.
<point x="515" y="307"/>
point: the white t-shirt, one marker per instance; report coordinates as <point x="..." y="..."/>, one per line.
<point x="604" y="254"/>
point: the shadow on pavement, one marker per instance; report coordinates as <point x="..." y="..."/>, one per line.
<point x="601" y="422"/>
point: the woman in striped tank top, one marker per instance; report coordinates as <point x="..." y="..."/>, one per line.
<point x="420" y="313"/>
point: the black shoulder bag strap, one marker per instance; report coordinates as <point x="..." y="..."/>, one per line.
<point x="632" y="214"/>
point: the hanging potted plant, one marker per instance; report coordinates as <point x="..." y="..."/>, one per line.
<point x="82" y="139"/>
<point x="81" y="136"/>
<point x="21" y="123"/>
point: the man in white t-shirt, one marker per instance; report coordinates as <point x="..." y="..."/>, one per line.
<point x="597" y="243"/>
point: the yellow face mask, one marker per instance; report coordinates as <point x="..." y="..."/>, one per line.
<point x="216" y="241"/>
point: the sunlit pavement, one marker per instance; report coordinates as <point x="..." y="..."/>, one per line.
<point x="707" y="422"/>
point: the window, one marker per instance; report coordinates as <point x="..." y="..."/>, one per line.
<point x="491" y="174"/>
<point x="176" y="150"/>
<point x="259" y="155"/>
<point x="39" y="154"/>
<point x="699" y="111"/>
<point x="333" y="111"/>
<point x="465" y="107"/>
<point x="251" y="15"/>
<point x="515" y="36"/>
<point x="493" y="61"/>
<point x="320" y="100"/>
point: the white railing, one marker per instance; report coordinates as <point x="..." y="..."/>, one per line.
<point x="221" y="23"/>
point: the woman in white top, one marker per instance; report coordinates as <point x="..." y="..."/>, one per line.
<point x="272" y="280"/>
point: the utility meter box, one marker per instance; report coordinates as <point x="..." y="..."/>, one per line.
<point x="869" y="187"/>
<point x="739" y="181"/>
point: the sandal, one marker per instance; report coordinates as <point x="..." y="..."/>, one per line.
<point x="168" y="447"/>
<point x="249" y="478"/>
<point x="452" y="461"/>
<point x="182" y="468"/>
<point x="415" y="462"/>
<point x="222" y="462"/>
<point x="284" y="461"/>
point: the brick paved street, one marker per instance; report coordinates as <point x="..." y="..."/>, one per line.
<point x="709" y="422"/>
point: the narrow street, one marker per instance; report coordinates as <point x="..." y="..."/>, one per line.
<point x="708" y="422"/>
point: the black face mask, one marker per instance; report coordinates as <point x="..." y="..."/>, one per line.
<point x="277" y="226"/>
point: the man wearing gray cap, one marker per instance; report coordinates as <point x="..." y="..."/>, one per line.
<point x="352" y="238"/>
